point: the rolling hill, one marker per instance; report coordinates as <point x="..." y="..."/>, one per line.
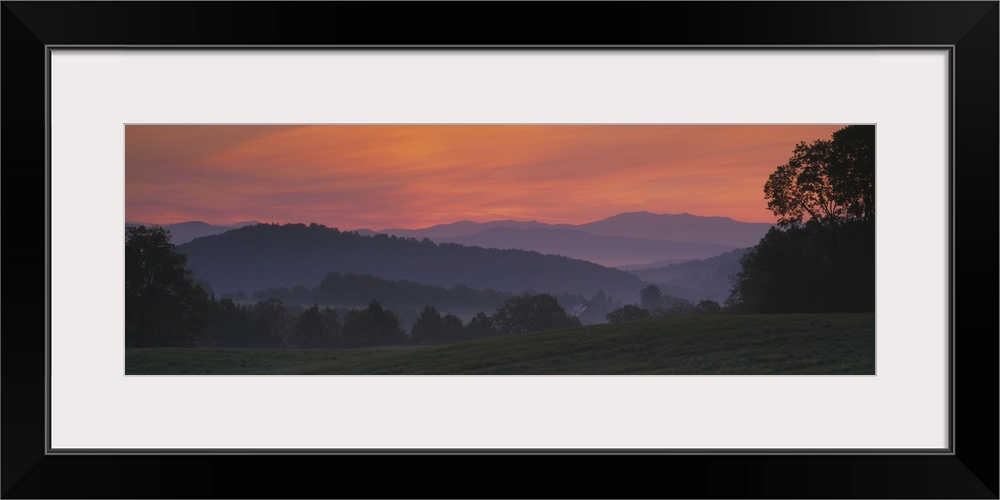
<point x="629" y="239"/>
<point x="610" y="251"/>
<point x="681" y="228"/>
<point x="697" y="279"/>
<point x="764" y="344"/>
<point x="183" y="232"/>
<point x="267" y="256"/>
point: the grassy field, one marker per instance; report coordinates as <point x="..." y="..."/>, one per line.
<point x="787" y="344"/>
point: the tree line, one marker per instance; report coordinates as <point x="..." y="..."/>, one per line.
<point x="270" y="324"/>
<point x="164" y="306"/>
<point x="654" y="304"/>
<point x="355" y="289"/>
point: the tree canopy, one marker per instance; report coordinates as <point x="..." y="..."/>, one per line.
<point x="372" y="326"/>
<point x="431" y="327"/>
<point x="163" y="305"/>
<point x="628" y="312"/>
<point x="650" y="297"/>
<point x="821" y="255"/>
<point x="532" y="313"/>
<point x="829" y="181"/>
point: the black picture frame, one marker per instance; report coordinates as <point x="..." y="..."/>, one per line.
<point x="970" y="28"/>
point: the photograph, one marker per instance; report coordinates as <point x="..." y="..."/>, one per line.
<point x="510" y="249"/>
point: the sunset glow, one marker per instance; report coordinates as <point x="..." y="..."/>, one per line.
<point x="413" y="176"/>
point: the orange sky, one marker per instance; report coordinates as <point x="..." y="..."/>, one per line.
<point x="413" y="176"/>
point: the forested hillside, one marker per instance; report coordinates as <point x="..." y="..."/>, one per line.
<point x="696" y="279"/>
<point x="267" y="256"/>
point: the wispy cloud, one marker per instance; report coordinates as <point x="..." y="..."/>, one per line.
<point x="381" y="176"/>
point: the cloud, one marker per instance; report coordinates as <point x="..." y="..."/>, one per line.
<point x="381" y="176"/>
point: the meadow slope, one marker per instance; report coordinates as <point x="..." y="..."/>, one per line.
<point x="779" y="344"/>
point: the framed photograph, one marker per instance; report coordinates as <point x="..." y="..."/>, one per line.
<point x="168" y="124"/>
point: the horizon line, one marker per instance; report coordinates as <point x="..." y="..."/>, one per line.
<point x="258" y="221"/>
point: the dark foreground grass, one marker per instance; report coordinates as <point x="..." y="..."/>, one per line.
<point x="787" y="344"/>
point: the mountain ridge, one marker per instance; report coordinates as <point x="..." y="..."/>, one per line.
<point x="628" y="242"/>
<point x="696" y="280"/>
<point x="608" y="251"/>
<point x="680" y="228"/>
<point x="679" y="237"/>
<point x="266" y="256"/>
<point x="183" y="232"/>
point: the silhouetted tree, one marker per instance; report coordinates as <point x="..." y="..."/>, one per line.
<point x="808" y="269"/>
<point x="163" y="305"/>
<point x="480" y="326"/>
<point x="316" y="328"/>
<point x="332" y="328"/>
<point x="821" y="255"/>
<point x="708" y="307"/>
<point x="452" y="328"/>
<point x="531" y="313"/>
<point x="359" y="329"/>
<point x="628" y="312"/>
<point x="308" y="328"/>
<point x="432" y="328"/>
<point x="228" y="325"/>
<point x="651" y="297"/>
<point x="372" y="326"/>
<point x="828" y="181"/>
<point x="268" y="324"/>
<point x="429" y="327"/>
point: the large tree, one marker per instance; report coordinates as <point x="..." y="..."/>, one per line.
<point x="429" y="327"/>
<point x="828" y="181"/>
<point x="532" y="313"/>
<point x="432" y="328"/>
<point x="821" y="255"/>
<point x="316" y="328"/>
<point x="651" y="297"/>
<point x="480" y="326"/>
<point x="628" y="312"/>
<point x="163" y="305"/>
<point x="372" y="326"/>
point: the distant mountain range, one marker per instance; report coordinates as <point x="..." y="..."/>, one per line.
<point x="629" y="239"/>
<point x="609" y="251"/>
<point x="626" y="241"/>
<point x="183" y="232"/>
<point x="687" y="256"/>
